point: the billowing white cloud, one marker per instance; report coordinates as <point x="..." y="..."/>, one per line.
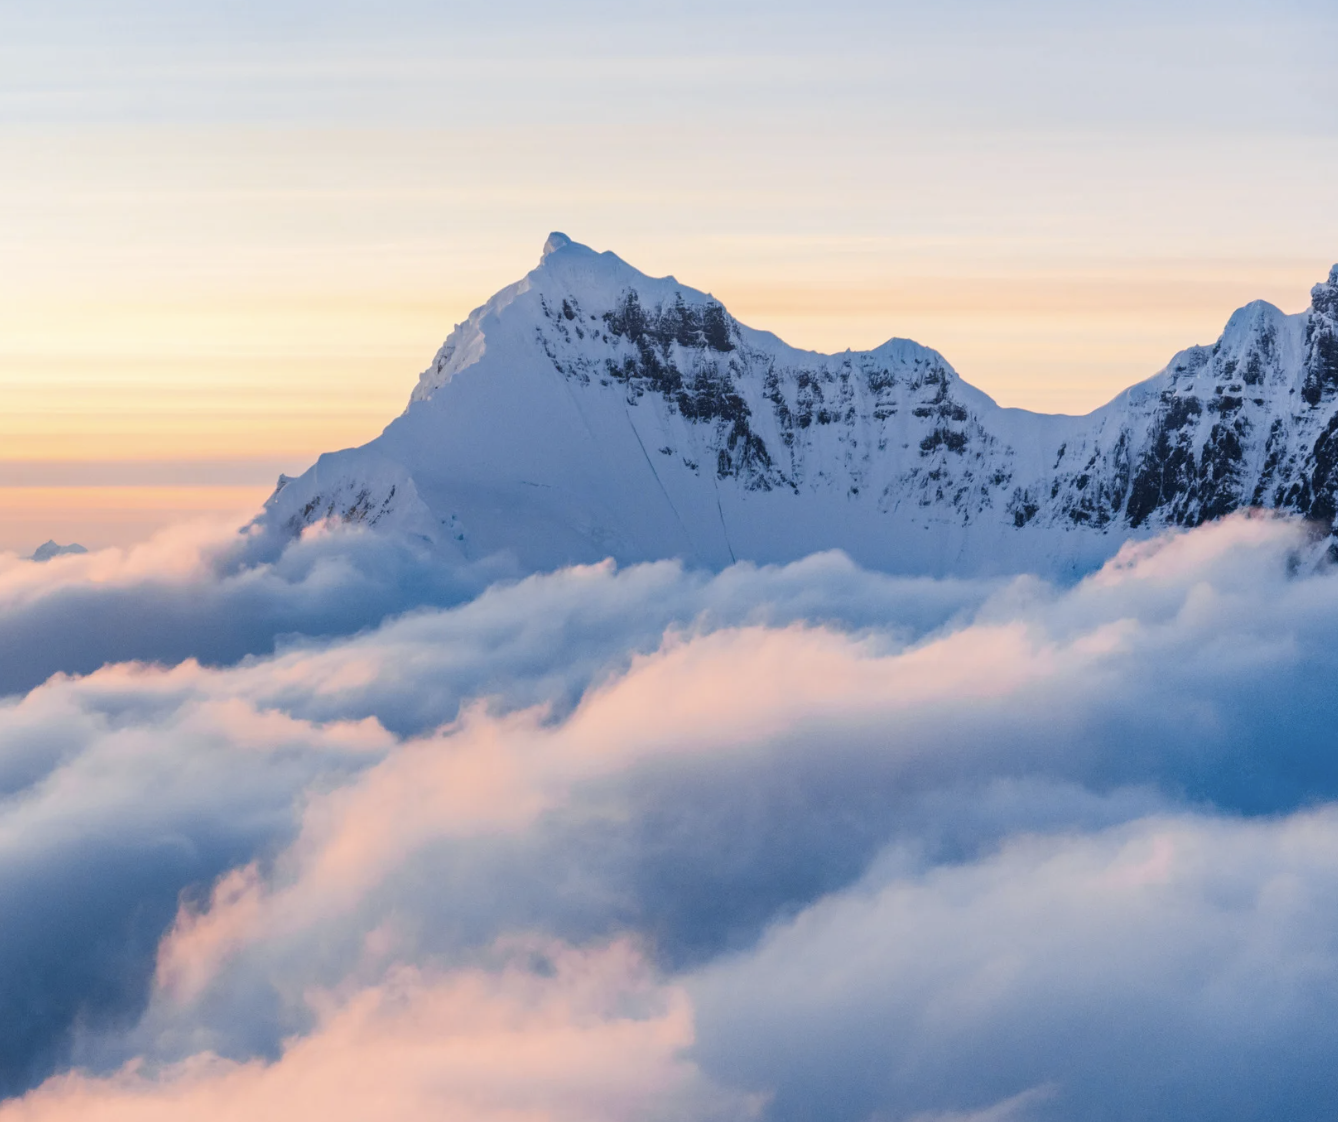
<point x="198" y="592"/>
<point x="549" y="1034"/>
<point x="1182" y="967"/>
<point x="848" y="846"/>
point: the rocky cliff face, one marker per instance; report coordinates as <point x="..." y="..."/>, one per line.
<point x="590" y="410"/>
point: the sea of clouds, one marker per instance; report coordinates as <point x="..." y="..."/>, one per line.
<point x="342" y="833"/>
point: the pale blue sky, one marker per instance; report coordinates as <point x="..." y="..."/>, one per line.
<point x="1121" y="66"/>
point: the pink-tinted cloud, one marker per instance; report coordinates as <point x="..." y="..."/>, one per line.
<point x="552" y="1034"/>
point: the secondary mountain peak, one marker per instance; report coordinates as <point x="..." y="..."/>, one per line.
<point x="50" y="548"/>
<point x="1324" y="296"/>
<point x="590" y="410"/>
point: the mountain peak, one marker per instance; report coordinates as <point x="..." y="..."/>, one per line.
<point x="1324" y="296"/>
<point x="49" y="549"/>
<point x="555" y="242"/>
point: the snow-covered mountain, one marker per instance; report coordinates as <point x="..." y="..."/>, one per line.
<point x="590" y="411"/>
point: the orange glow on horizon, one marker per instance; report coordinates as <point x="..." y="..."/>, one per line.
<point x="103" y="516"/>
<point x="178" y="381"/>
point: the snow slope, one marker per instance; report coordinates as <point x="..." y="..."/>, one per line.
<point x="590" y="411"/>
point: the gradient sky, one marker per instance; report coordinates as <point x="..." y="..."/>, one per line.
<point x="233" y="233"/>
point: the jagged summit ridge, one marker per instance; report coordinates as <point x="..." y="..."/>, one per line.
<point x="590" y="410"/>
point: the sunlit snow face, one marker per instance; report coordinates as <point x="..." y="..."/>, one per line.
<point x="783" y="843"/>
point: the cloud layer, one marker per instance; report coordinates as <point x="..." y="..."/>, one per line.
<point x="779" y="843"/>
